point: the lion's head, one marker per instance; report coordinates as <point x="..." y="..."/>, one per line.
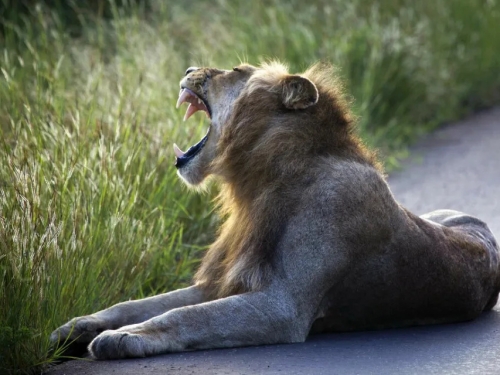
<point x="248" y="106"/>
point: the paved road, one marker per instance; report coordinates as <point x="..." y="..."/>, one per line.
<point x="457" y="167"/>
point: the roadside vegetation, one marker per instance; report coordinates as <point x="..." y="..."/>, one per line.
<point x="91" y="210"/>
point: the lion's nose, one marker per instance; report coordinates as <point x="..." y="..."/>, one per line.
<point x="191" y="69"/>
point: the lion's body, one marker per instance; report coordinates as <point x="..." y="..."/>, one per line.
<point x="313" y="239"/>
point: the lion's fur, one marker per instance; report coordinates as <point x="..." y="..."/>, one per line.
<point x="312" y="239"/>
<point x="265" y="167"/>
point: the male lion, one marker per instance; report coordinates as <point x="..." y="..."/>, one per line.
<point x="313" y="240"/>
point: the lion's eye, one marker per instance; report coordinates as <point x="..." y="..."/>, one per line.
<point x="236" y="70"/>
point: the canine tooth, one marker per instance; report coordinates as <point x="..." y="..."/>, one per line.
<point x="191" y="109"/>
<point x="178" y="152"/>
<point x="184" y="94"/>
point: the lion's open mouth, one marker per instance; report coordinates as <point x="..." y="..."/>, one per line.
<point x="196" y="104"/>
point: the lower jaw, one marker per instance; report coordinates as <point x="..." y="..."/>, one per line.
<point x="192" y="152"/>
<point x="192" y="175"/>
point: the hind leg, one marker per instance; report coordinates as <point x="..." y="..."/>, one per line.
<point x="475" y="228"/>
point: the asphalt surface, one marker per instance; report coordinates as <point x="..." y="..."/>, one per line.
<point x="457" y="167"/>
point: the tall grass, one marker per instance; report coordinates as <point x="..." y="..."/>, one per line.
<point x="91" y="211"/>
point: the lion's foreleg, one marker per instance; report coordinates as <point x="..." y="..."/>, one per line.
<point x="242" y="320"/>
<point x="84" y="329"/>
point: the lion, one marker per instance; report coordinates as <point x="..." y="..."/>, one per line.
<point x="312" y="238"/>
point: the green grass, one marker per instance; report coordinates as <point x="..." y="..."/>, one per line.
<point x="91" y="209"/>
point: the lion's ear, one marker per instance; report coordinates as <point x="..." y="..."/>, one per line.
<point x="298" y="92"/>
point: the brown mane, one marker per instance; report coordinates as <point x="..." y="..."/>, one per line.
<point x="267" y="154"/>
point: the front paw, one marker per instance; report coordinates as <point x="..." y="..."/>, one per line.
<point x="117" y="344"/>
<point x="75" y="335"/>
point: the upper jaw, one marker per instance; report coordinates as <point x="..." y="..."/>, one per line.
<point x="196" y="102"/>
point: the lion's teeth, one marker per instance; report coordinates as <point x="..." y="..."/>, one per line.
<point x="195" y="103"/>
<point x="178" y="152"/>
<point x="184" y="94"/>
<point x="191" y="109"/>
